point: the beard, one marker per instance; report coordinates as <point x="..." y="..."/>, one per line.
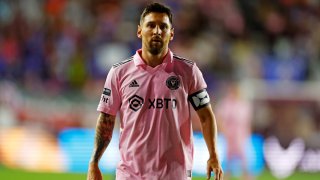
<point x="155" y="47"/>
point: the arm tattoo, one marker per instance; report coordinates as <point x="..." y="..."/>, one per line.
<point x="103" y="135"/>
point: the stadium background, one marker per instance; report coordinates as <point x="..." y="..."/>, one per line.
<point x="55" y="54"/>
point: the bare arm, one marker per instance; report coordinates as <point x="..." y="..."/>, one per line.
<point x="104" y="129"/>
<point x="103" y="136"/>
<point x="209" y="130"/>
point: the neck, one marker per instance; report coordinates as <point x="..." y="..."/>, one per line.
<point x="151" y="59"/>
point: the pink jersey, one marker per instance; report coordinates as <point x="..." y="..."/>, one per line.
<point x="155" y="122"/>
<point x="235" y="115"/>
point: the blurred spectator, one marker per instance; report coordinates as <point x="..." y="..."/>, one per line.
<point x="235" y="115"/>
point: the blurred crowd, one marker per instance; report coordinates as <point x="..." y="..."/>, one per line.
<point x="58" y="45"/>
<point x="54" y="47"/>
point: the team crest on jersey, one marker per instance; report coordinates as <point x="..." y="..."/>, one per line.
<point x="173" y="82"/>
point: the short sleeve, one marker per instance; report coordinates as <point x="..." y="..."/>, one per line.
<point x="198" y="96"/>
<point x="110" y="100"/>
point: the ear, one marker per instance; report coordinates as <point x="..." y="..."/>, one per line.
<point x="171" y="34"/>
<point x="139" y="32"/>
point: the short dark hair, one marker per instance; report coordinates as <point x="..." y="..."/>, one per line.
<point x="158" y="8"/>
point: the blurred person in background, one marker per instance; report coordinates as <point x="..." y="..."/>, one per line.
<point x="235" y="114"/>
<point x="151" y="91"/>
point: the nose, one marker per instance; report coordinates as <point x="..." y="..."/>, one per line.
<point x="157" y="30"/>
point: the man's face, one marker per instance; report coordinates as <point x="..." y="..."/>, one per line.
<point x="156" y="31"/>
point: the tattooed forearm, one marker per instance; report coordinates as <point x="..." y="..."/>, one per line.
<point x="103" y="136"/>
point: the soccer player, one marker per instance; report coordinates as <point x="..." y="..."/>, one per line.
<point x="153" y="92"/>
<point x="235" y="114"/>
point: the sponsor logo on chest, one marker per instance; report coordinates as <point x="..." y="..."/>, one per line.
<point x="136" y="102"/>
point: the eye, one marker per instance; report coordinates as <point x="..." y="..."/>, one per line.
<point x="163" y="26"/>
<point x="151" y="25"/>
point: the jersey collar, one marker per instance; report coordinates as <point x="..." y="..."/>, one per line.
<point x="138" y="61"/>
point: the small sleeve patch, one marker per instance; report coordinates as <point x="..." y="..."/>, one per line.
<point x="106" y="91"/>
<point x="199" y="99"/>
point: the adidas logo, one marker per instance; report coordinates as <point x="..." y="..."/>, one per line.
<point x="134" y="83"/>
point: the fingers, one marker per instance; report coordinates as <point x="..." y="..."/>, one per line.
<point x="218" y="174"/>
<point x="208" y="172"/>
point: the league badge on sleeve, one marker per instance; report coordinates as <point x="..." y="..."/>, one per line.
<point x="106" y="91"/>
<point x="199" y="99"/>
<point x="173" y="82"/>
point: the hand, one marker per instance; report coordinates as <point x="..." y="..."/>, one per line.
<point x="94" y="172"/>
<point x="214" y="166"/>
